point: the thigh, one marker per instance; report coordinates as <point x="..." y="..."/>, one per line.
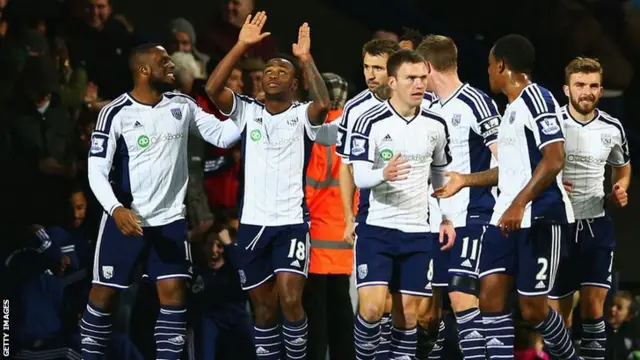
<point x="539" y="253"/>
<point x="116" y="255"/>
<point x="568" y="277"/>
<point x="597" y="240"/>
<point x="253" y="253"/>
<point x="439" y="263"/>
<point x="373" y="256"/>
<point x="411" y="266"/>
<point x="291" y="249"/>
<point x="170" y="256"/>
<point x="498" y="254"/>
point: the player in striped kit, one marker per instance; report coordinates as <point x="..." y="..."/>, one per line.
<point x="277" y="137"/>
<point x="393" y="248"/>
<point x="473" y="120"/>
<point x="138" y="172"/>
<point x="375" y="54"/>
<point x="532" y="214"/>
<point x="594" y="139"/>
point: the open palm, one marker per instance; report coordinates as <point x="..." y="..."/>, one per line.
<point x="251" y="32"/>
<point x="303" y="46"/>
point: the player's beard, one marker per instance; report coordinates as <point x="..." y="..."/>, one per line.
<point x="383" y="91"/>
<point x="161" y="86"/>
<point x="575" y="103"/>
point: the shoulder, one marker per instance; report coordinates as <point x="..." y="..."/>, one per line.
<point x="538" y="100"/>
<point x="358" y="99"/>
<point x="611" y="121"/>
<point x="434" y="118"/>
<point x="478" y="102"/>
<point x="429" y="96"/>
<point x="180" y="98"/>
<point x="111" y="112"/>
<point x="374" y="115"/>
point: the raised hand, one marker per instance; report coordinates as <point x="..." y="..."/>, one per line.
<point x="396" y="169"/>
<point x="303" y="47"/>
<point x="251" y="32"/>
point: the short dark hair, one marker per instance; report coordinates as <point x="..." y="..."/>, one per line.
<point x="380" y="47"/>
<point x="139" y="51"/>
<point x="412" y="35"/>
<point x="583" y="65"/>
<point x="517" y="52"/>
<point x="402" y="57"/>
<point x="440" y="51"/>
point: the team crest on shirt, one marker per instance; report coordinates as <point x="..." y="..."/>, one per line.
<point x="433" y="138"/>
<point x="243" y="277"/>
<point x="512" y="117"/>
<point x="107" y="272"/>
<point x="177" y="113"/>
<point x="363" y="270"/>
<point x="606" y="139"/>
<point x="455" y="119"/>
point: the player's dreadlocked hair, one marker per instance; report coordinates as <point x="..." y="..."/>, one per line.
<point x="380" y="47"/>
<point x="517" y="52"/>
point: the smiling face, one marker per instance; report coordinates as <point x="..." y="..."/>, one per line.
<point x="160" y="70"/>
<point x="278" y="78"/>
<point x="584" y="91"/>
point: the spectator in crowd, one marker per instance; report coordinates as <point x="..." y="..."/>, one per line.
<point x="183" y="39"/>
<point x="43" y="139"/>
<point x="220" y="37"/>
<point x="74" y="86"/>
<point x="622" y="336"/>
<point x="186" y="72"/>
<point x="385" y="34"/>
<point x="98" y="42"/>
<point x="528" y="343"/>
<point x="222" y="327"/>
<point x="252" y="69"/>
<point x="326" y="297"/>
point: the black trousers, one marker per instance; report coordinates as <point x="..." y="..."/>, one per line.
<point x="327" y="303"/>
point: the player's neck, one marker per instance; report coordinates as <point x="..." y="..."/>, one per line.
<point x="580" y="117"/>
<point x="146" y="96"/>
<point x="445" y="85"/>
<point x="401" y="108"/>
<point x="515" y="85"/>
<point x="276" y="106"/>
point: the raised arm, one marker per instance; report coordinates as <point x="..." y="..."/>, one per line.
<point x="317" y="111"/>
<point x="250" y="34"/>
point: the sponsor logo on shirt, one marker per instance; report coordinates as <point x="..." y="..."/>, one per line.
<point x="144" y="141"/>
<point x="589" y="159"/>
<point x="386" y="154"/>
<point x="255" y="135"/>
<point x="357" y="147"/>
<point x="455" y="119"/>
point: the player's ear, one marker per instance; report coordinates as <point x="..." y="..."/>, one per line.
<point x="144" y="69"/>
<point x="392" y="82"/>
<point x="294" y="85"/>
<point x="565" y="88"/>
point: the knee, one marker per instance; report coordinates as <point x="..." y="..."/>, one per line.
<point x="462" y="301"/>
<point x="591" y="308"/>
<point x="371" y="312"/>
<point x="102" y="296"/>
<point x="171" y="291"/>
<point x="533" y="310"/>
<point x="290" y="300"/>
<point x="491" y="303"/>
<point x="265" y="312"/>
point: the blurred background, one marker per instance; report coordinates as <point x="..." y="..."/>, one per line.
<point x="62" y="61"/>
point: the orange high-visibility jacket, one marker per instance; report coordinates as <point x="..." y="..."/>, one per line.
<point x="329" y="253"/>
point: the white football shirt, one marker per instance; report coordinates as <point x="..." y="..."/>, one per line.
<point x="531" y="122"/>
<point x="138" y="155"/>
<point x="423" y="140"/>
<point x="472" y="119"/>
<point x="353" y="108"/>
<point x="589" y="146"/>
<point x="275" y="154"/>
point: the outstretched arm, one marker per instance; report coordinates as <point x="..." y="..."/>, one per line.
<point x="317" y="111"/>
<point x="250" y="34"/>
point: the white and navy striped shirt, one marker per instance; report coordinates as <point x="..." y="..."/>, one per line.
<point x="275" y="154"/>
<point x="355" y="107"/>
<point x="473" y="120"/>
<point x="138" y="155"/>
<point x="423" y="140"/>
<point x="531" y="122"/>
<point x="589" y="146"/>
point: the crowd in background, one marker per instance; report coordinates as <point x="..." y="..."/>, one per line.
<point x="62" y="61"/>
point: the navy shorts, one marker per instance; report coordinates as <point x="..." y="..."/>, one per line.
<point x="462" y="259"/>
<point x="531" y="255"/>
<point x="590" y="257"/>
<point x="393" y="258"/>
<point x="165" y="249"/>
<point x="263" y="251"/>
